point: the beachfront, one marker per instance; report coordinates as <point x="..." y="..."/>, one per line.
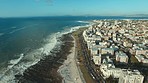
<point x="45" y="71"/>
<point x="69" y="70"/>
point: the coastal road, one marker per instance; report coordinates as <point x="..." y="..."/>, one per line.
<point x="80" y="73"/>
<point x="88" y="62"/>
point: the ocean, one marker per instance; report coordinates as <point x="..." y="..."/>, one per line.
<point x="24" y="41"/>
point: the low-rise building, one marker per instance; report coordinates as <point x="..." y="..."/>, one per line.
<point x="127" y="44"/>
<point x="94" y="51"/>
<point x="138" y="52"/>
<point x="98" y="33"/>
<point x="121" y="57"/>
<point x="107" y="51"/>
<point x="115" y="48"/>
<point x="141" y="58"/>
<point x="110" y="71"/>
<point x="97" y="59"/>
<point x="131" y="77"/>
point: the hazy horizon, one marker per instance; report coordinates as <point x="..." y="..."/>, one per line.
<point x="34" y="8"/>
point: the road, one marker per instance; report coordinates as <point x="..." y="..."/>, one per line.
<point x="80" y="73"/>
<point x="88" y="63"/>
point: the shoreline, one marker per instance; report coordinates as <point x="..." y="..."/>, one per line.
<point x="45" y="71"/>
<point x="69" y="70"/>
<point x="81" y="58"/>
<point x="20" y="68"/>
<point x="38" y="72"/>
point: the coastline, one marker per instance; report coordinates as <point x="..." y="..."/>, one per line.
<point x="69" y="70"/>
<point x="49" y="51"/>
<point x="62" y="67"/>
<point x="67" y="60"/>
<point x="45" y="71"/>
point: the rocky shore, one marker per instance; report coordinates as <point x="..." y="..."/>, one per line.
<point x="45" y="71"/>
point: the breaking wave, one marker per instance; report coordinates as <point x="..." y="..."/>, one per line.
<point x="17" y="30"/>
<point x="24" y="61"/>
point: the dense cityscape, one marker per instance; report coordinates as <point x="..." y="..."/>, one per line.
<point x="119" y="50"/>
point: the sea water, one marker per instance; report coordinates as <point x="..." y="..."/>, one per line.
<point x="24" y="41"/>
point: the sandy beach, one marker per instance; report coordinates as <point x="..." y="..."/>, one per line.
<point x="69" y="70"/>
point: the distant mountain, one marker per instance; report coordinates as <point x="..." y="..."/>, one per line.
<point x="137" y="15"/>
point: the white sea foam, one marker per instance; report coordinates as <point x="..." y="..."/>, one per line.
<point x="17" y="30"/>
<point x="83" y="21"/>
<point x="70" y="30"/>
<point x="18" y="66"/>
<point x="15" y="61"/>
<point x="24" y="61"/>
<point x="5" y="76"/>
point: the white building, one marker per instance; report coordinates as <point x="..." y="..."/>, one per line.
<point x="90" y="45"/>
<point x="131" y="77"/>
<point x="94" y="51"/>
<point x="115" y="39"/>
<point x="110" y="71"/>
<point x="124" y="75"/>
<point x="96" y="37"/>
<point x="145" y="40"/>
<point x="127" y="44"/>
<point x="99" y="33"/>
<point x="141" y="58"/>
<point x="144" y="52"/>
<point x="97" y="59"/>
<point x="115" y="48"/>
<point x="107" y="51"/>
<point x="106" y="67"/>
<point x="87" y="37"/>
<point x="116" y="72"/>
<point x="121" y="57"/>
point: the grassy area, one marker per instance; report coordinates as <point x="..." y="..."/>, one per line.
<point x="133" y="59"/>
<point x="80" y="57"/>
<point x="86" y="74"/>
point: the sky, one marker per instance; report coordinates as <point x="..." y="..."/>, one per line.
<point x="25" y="8"/>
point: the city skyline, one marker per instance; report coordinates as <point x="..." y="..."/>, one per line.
<point x="25" y="8"/>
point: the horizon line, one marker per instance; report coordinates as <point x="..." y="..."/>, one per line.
<point x="135" y="15"/>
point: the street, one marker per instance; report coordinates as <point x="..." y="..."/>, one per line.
<point x="88" y="63"/>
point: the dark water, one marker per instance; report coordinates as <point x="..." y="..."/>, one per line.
<point x="18" y="35"/>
